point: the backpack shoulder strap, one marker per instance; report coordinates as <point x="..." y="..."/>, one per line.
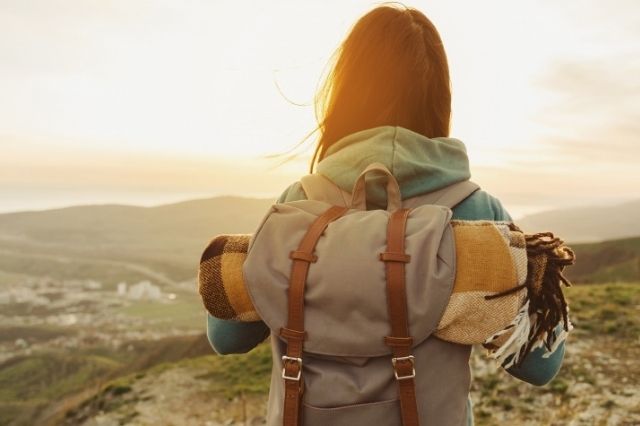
<point x="400" y="341"/>
<point x="320" y="188"/>
<point x="449" y="196"/>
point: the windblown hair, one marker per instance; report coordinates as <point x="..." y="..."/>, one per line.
<point x="390" y="70"/>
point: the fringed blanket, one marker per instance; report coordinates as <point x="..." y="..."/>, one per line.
<point x="507" y="293"/>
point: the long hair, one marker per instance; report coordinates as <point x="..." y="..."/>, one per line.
<point x="390" y="70"/>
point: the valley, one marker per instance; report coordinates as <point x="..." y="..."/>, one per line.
<point x="101" y="324"/>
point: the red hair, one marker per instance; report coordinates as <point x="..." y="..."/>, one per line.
<point x="390" y="70"/>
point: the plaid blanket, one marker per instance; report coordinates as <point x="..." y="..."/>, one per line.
<point x="507" y="292"/>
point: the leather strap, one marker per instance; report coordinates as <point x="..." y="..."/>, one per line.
<point x="400" y="340"/>
<point x="294" y="332"/>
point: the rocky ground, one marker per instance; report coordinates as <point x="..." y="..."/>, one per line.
<point x="206" y="391"/>
<point x="599" y="383"/>
<point x="601" y="396"/>
<point x="175" y="397"/>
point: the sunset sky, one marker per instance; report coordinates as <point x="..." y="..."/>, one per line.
<point x="146" y="102"/>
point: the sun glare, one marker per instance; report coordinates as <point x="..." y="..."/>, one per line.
<point x="221" y="81"/>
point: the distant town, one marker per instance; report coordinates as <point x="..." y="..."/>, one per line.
<point x="43" y="312"/>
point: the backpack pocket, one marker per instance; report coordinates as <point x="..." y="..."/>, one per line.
<point x="381" y="413"/>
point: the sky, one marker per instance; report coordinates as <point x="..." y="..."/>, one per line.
<point x="147" y="102"/>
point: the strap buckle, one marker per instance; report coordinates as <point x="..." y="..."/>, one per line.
<point x="409" y="358"/>
<point x="298" y="361"/>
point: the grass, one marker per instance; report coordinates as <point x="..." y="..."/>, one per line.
<point x="229" y="378"/>
<point x="236" y="375"/>
<point x="185" y="312"/>
<point x="606" y="310"/>
<point x="49" y="375"/>
<point x="608" y="261"/>
<point x="601" y="357"/>
<point x="18" y="264"/>
<point x="28" y="384"/>
<point x="603" y="312"/>
<point x="33" y="334"/>
<point x="605" y="317"/>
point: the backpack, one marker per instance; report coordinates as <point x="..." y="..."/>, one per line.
<point x="352" y="297"/>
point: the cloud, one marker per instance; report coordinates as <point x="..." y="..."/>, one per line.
<point x="593" y="112"/>
<point x="595" y="115"/>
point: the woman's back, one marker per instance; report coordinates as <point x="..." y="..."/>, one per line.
<point x="387" y="100"/>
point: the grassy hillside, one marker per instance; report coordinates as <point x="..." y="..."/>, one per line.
<point x="609" y="261"/>
<point x="163" y="243"/>
<point x="596" y="385"/>
<point x="68" y="369"/>
<point x="91" y="241"/>
<point x="195" y="391"/>
<point x="34" y="389"/>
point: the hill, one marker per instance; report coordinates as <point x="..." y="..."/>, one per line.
<point x="166" y="239"/>
<point x="588" y="224"/>
<point x="594" y="386"/>
<point x="163" y="243"/>
<point x="65" y="368"/>
<point x="608" y="261"/>
<point x="39" y="388"/>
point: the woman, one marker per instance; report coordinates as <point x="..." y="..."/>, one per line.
<point x="388" y="100"/>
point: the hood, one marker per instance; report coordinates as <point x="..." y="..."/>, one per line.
<point x="419" y="164"/>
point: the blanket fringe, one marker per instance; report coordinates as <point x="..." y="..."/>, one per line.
<point x="523" y="327"/>
<point x="537" y="323"/>
<point x="557" y="339"/>
<point x="510" y="351"/>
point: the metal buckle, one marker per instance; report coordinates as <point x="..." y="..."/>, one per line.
<point x="284" y="371"/>
<point x="410" y="358"/>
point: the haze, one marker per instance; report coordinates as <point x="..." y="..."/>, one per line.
<point x="152" y="101"/>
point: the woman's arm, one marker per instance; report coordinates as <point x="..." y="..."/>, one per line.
<point x="535" y="369"/>
<point x="538" y="370"/>
<point x="235" y="337"/>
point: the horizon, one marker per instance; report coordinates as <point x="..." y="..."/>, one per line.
<point x="204" y="197"/>
<point x="148" y="103"/>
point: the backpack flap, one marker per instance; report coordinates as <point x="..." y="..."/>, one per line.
<point x="345" y="311"/>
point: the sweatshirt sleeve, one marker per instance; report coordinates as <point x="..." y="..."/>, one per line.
<point x="538" y="370"/>
<point x="234" y="337"/>
<point x="535" y="368"/>
<point x="293" y="193"/>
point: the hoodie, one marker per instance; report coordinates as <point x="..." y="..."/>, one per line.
<point x="419" y="164"/>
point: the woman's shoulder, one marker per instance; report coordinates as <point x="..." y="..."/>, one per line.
<point x="481" y="206"/>
<point x="478" y="206"/>
<point x="294" y="192"/>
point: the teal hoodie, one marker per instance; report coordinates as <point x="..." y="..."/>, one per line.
<point x="420" y="165"/>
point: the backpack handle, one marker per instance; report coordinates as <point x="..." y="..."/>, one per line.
<point x="359" y="197"/>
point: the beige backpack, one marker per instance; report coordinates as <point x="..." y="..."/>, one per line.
<point x="352" y="298"/>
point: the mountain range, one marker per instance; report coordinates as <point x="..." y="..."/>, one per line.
<point x="588" y="224"/>
<point x="168" y="239"/>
